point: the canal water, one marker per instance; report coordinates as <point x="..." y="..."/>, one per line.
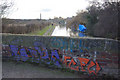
<point x="60" y="31"/>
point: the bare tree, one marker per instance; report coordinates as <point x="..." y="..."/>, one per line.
<point x="5" y="6"/>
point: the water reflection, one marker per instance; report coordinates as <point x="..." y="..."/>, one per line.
<point x="60" y="31"/>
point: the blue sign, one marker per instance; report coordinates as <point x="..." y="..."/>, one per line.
<point x="82" y="28"/>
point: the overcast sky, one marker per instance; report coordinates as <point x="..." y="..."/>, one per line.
<point x="31" y="9"/>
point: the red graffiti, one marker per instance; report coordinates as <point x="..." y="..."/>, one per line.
<point x="74" y="63"/>
<point x="93" y="64"/>
<point x="83" y="63"/>
<point x="65" y="61"/>
<point x="97" y="67"/>
<point x="90" y="66"/>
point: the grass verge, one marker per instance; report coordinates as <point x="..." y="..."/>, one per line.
<point x="51" y="31"/>
<point x="41" y="32"/>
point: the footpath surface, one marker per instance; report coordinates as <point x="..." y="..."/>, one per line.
<point x="27" y="70"/>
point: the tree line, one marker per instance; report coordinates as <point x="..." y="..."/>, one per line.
<point x="100" y="19"/>
<point x="15" y="26"/>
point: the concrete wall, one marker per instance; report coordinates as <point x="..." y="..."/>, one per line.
<point x="89" y="55"/>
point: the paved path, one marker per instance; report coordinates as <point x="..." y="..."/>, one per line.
<point x="27" y="70"/>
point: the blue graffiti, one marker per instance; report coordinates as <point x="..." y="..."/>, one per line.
<point x="37" y="54"/>
<point x="55" y="54"/>
<point x="34" y="55"/>
<point x="23" y="55"/>
<point x="14" y="49"/>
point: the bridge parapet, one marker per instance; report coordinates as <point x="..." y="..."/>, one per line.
<point x="95" y="56"/>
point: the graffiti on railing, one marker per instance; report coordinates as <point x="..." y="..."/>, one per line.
<point x="84" y="62"/>
<point x="39" y="53"/>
